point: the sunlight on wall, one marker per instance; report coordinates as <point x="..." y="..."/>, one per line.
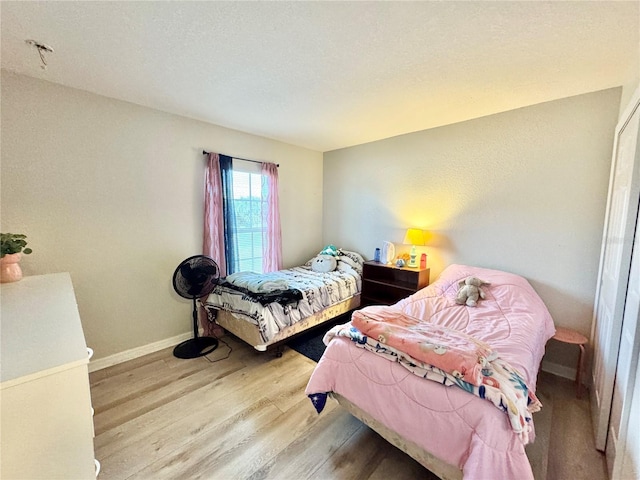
<point x="434" y="210"/>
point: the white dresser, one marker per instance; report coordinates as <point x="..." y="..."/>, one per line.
<point x="46" y="424"/>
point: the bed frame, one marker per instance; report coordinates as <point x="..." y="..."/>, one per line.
<point x="441" y="469"/>
<point x="248" y="332"/>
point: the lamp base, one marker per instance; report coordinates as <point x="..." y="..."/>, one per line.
<point x="412" y="258"/>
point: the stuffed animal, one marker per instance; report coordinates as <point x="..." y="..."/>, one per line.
<point x="470" y="290"/>
<point x="329" y="250"/>
<point x="324" y="263"/>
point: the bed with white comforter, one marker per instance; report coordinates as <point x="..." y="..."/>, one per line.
<point x="286" y="300"/>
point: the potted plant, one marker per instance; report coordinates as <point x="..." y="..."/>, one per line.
<point x="12" y="246"/>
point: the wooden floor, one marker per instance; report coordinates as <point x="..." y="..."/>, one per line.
<point x="572" y="451"/>
<point x="246" y="417"/>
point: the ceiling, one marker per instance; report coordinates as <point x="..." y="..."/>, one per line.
<point x="326" y="75"/>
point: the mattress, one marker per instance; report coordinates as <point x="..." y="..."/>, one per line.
<point x="460" y="429"/>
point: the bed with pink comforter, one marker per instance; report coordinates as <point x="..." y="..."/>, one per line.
<point x="447" y="413"/>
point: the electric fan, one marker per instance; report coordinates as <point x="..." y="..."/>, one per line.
<point x="194" y="278"/>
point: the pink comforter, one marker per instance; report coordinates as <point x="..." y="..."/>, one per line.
<point x="448" y="422"/>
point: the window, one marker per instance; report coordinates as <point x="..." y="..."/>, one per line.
<point x="248" y="206"/>
<point x="241" y="218"/>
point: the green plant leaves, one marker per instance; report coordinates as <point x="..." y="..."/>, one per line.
<point x="11" y="243"/>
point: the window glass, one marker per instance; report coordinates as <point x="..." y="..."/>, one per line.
<point x="247" y="201"/>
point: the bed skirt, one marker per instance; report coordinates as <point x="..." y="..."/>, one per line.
<point x="250" y="333"/>
<point x="436" y="466"/>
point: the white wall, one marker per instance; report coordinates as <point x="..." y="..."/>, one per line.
<point x="112" y="193"/>
<point x="522" y="191"/>
<point x="631" y="83"/>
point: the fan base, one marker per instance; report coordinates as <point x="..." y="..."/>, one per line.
<point x="195" y="347"/>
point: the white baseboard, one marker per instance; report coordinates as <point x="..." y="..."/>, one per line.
<point x="559" y="370"/>
<point x="121" y="357"/>
<point x="115" y="359"/>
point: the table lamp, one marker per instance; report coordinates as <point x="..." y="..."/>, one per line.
<point x="413" y="237"/>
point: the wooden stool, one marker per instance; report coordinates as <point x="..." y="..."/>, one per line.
<point x="566" y="335"/>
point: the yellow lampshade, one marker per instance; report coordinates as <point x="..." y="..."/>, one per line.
<point x="414" y="236"/>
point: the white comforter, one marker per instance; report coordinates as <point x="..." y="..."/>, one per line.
<point x="319" y="291"/>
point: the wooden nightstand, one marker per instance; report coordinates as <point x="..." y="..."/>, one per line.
<point x="384" y="284"/>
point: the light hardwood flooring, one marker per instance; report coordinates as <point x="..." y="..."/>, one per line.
<point x="246" y="417"/>
<point x="572" y="451"/>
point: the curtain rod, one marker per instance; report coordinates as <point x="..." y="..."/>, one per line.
<point x="204" y="152"/>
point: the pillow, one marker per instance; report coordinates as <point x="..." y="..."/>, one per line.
<point x="354" y="256"/>
<point x="350" y="261"/>
<point x="324" y="264"/>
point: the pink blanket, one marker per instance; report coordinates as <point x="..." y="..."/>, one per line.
<point x="459" y="428"/>
<point x="450" y="350"/>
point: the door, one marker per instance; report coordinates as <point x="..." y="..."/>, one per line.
<point x="615" y="261"/>
<point x="627" y="464"/>
<point x="618" y="445"/>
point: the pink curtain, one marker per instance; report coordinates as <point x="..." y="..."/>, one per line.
<point x="272" y="240"/>
<point x="213" y="240"/>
